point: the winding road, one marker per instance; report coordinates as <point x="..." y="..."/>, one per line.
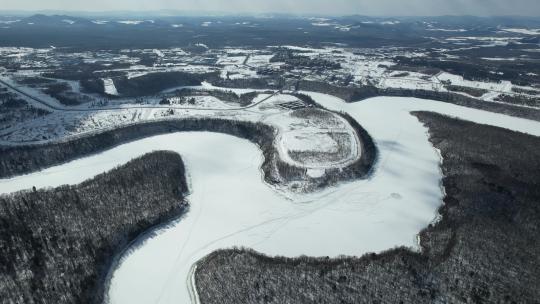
<point x="55" y="107"/>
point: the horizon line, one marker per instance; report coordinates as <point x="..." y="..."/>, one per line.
<point x="208" y="13"/>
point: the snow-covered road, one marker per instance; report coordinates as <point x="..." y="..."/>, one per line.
<point x="232" y="206"/>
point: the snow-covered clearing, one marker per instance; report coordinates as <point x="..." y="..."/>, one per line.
<point x="303" y="142"/>
<point x="138" y="70"/>
<point x="233" y="60"/>
<point x="503" y="86"/>
<point x="311" y="138"/>
<point x="409" y="83"/>
<point x="259" y="60"/>
<point x="499" y="58"/>
<point x="447" y="30"/>
<point x="238" y="72"/>
<point x="9" y="21"/>
<point x="110" y="88"/>
<point x="130" y="22"/>
<point x="201" y="101"/>
<point x="523" y="31"/>
<point x="232" y="206"/>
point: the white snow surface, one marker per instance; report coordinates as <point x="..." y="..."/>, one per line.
<point x="523" y="31"/>
<point x="130" y="22"/>
<point x="503" y="86"/>
<point x="232" y="206"/>
<point x="110" y="88"/>
<point x="304" y="143"/>
<point x="447" y="30"/>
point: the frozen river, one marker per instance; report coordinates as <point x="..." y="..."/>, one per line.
<point x="230" y="205"/>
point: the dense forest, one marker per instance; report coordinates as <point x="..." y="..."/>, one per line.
<point x="13" y="109"/>
<point x="57" y="245"/>
<point x="154" y="83"/>
<point x="61" y="91"/>
<point x="484" y="249"/>
<point x="294" y="60"/>
<point x="145" y="85"/>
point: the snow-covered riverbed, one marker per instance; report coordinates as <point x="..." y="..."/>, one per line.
<point x="232" y="206"/>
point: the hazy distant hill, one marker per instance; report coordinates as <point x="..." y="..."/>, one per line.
<point x="217" y="31"/>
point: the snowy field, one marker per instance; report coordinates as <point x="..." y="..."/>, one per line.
<point x="354" y="218"/>
<point x="110" y="88"/>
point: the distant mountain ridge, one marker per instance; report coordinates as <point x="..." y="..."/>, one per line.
<point x="353" y="20"/>
<point x="61" y="30"/>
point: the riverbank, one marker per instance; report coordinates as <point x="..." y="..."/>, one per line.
<point x="59" y="244"/>
<point x="483" y="249"/>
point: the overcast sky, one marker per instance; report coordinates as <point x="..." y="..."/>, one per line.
<point x="326" y="7"/>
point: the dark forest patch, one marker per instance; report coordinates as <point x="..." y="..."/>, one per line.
<point x="57" y="245"/>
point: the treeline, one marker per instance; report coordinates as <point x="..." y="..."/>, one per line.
<point x="61" y="91"/>
<point x="11" y="101"/>
<point x="519" y="99"/>
<point x="306" y="99"/>
<point x="58" y="245"/>
<point x="475" y="92"/>
<point x="13" y="109"/>
<point x="93" y="85"/>
<point x="244" y="276"/>
<point x="242" y="100"/>
<point x="154" y="83"/>
<point x="16" y="160"/>
<point x="353" y="94"/>
<point x="362" y="167"/>
<point x="83" y="71"/>
<point x="146" y="85"/>
<point x="484" y="249"/>
<point x="86" y="70"/>
<point x="266" y="83"/>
